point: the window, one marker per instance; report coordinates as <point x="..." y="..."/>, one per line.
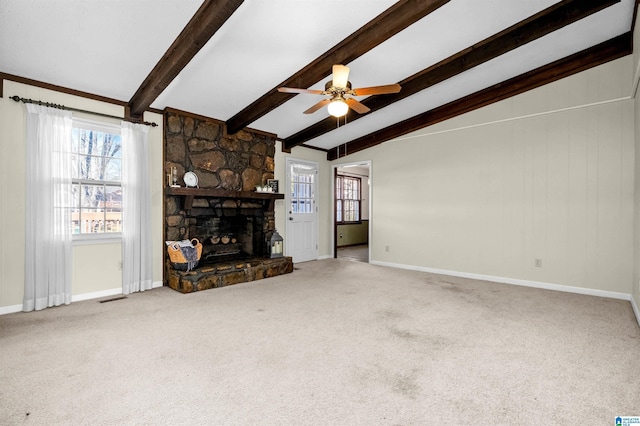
<point x="347" y="199"/>
<point x="97" y="174"/>
<point x="302" y="189"/>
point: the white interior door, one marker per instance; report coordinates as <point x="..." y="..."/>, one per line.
<point x="302" y="210"/>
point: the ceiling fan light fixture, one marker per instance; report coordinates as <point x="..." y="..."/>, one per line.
<point x="338" y="108"/>
<point x="337" y="88"/>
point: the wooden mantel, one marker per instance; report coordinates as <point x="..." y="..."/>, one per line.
<point x="190" y="194"/>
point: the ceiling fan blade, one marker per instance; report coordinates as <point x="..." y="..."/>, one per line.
<point x="296" y="90"/>
<point x="317" y="106"/>
<point x="377" y="90"/>
<point x="357" y="106"/>
<point x="340" y="76"/>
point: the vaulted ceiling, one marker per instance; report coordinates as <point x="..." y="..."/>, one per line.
<point x="226" y="59"/>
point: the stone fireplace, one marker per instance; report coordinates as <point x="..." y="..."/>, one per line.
<point x="230" y="219"/>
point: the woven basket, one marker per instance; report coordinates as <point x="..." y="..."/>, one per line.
<point x="177" y="258"/>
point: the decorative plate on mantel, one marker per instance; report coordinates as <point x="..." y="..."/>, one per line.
<point x="190" y="180"/>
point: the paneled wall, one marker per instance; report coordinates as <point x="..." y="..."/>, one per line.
<point x="547" y="175"/>
<point x="636" y="80"/>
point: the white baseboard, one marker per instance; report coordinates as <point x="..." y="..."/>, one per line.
<point x="75" y="298"/>
<point x="10" y="309"/>
<point x="107" y="293"/>
<point x="79" y="297"/>
<point x="96" y="295"/>
<point x="503" y="280"/>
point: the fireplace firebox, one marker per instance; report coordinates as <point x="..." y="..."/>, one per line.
<point x="234" y="227"/>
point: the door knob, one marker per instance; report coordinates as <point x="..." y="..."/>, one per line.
<point x="290" y="218"/>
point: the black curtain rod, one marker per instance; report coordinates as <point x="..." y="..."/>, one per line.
<point x="48" y="104"/>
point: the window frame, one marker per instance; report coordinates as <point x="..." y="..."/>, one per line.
<point x="341" y="199"/>
<point x="96" y="237"/>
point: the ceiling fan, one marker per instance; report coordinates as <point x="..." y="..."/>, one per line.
<point x="338" y="88"/>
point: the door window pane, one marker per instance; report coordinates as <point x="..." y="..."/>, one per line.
<point x="301" y="192"/>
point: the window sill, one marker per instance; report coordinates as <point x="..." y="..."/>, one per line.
<point x="82" y="240"/>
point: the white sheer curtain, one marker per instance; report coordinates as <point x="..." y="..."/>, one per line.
<point x="48" y="198"/>
<point x="137" y="273"/>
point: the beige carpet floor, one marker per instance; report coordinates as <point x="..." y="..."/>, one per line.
<point x="334" y="343"/>
<point x="359" y="253"/>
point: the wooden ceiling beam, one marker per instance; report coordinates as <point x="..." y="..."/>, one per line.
<point x="203" y="25"/>
<point x="530" y="29"/>
<point x="615" y="48"/>
<point x="393" y="20"/>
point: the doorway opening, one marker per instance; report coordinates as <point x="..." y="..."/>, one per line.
<point x="352" y="211"/>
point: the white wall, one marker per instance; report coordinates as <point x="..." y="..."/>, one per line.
<point x="547" y="175"/>
<point x="635" y="294"/>
<point x="96" y="266"/>
<point x="105" y="257"/>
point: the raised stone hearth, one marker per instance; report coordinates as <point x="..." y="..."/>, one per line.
<point x="228" y="273"/>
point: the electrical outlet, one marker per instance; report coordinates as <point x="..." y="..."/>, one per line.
<point x="538" y="263"/>
<point x="386" y="248"/>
